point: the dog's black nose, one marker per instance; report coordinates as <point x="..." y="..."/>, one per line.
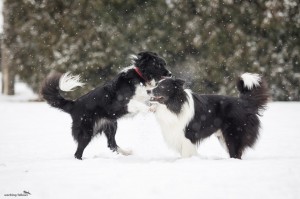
<point x="148" y="92"/>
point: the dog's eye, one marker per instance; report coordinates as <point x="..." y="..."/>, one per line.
<point x="158" y="66"/>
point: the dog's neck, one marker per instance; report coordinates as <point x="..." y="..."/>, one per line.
<point x="137" y="70"/>
<point x="147" y="82"/>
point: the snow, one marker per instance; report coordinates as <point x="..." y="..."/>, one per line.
<point x="23" y="93"/>
<point x="36" y="155"/>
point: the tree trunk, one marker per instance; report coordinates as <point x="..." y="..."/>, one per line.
<point x="8" y="75"/>
<point x="8" y="72"/>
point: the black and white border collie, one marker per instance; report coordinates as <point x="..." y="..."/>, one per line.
<point x="186" y="118"/>
<point x="99" y="110"/>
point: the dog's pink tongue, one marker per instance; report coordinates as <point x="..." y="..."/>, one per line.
<point x="155" y="98"/>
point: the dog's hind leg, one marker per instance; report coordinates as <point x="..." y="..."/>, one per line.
<point x="110" y="133"/>
<point x="219" y="135"/>
<point x="83" y="139"/>
<point x="110" y="130"/>
<point x="233" y="143"/>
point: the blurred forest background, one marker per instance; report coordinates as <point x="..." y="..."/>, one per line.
<point x="207" y="42"/>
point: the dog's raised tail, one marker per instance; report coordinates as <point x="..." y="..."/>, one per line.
<point x="55" y="83"/>
<point x="253" y="88"/>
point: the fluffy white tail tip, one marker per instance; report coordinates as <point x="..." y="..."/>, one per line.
<point x="251" y="80"/>
<point x="68" y="82"/>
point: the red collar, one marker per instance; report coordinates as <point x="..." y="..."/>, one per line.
<point x="137" y="70"/>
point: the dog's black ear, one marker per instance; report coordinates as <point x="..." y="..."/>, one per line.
<point x="154" y="53"/>
<point x="145" y="54"/>
<point x="179" y="82"/>
<point x="142" y="54"/>
<point x="142" y="57"/>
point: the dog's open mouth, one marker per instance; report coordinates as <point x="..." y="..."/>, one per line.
<point x="164" y="77"/>
<point x="157" y="98"/>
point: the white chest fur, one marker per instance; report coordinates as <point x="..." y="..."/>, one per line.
<point x="173" y="126"/>
<point x="138" y="101"/>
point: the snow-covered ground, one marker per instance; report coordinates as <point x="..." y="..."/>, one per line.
<point x="36" y="155"/>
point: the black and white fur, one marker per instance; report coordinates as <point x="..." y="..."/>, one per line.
<point x="99" y="110"/>
<point x="186" y="118"/>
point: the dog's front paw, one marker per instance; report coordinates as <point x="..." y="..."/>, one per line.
<point x="78" y="157"/>
<point x="152" y="108"/>
<point x="124" y="152"/>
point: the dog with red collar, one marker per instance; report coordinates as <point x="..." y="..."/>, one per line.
<point x="99" y="110"/>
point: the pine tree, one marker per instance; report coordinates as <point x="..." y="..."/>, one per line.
<point x="209" y="43"/>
